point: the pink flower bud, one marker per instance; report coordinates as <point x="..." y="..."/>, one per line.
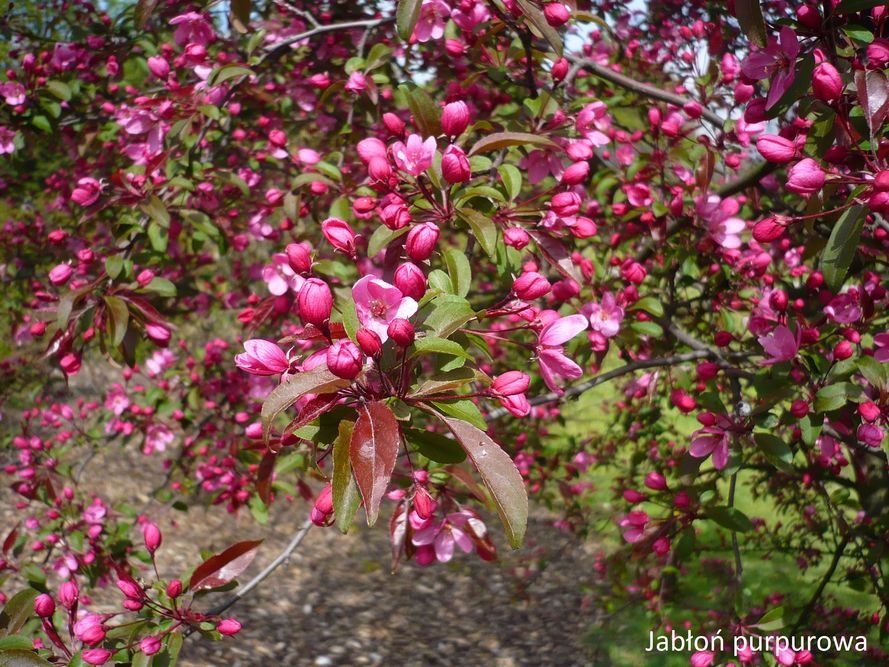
<point x="843" y="350"/>
<point x="511" y="383"/>
<point x="60" y="274"/>
<point x="129" y="588"/>
<point x="344" y="359"/>
<point x="228" y="627"/>
<point x="556" y="14"/>
<point x="881" y="180"/>
<point x="799" y="408"/>
<point x="369" y="341"/>
<point x="775" y="148"/>
<point x="395" y="216"/>
<point x="157" y="333"/>
<point x="421" y="241"/>
<point x="869" y="411"/>
<point x="870" y="434"/>
<point x="560" y="69"/>
<point x="150" y="645"/>
<point x="145" y="277"/>
<point x="44" y="605"/>
<point x="878" y="54"/>
<point x="516" y="237"/>
<point x="323" y="507"/>
<point x="379" y="170"/>
<point x="68" y="594"/>
<point x="768" y="230"/>
<point x="174" y="589"/>
<point x="262" y="357"/>
<point x="808" y="15"/>
<point x="87" y="191"/>
<point x="778" y="300"/>
<point x="565" y="204"/>
<point x="633" y="271"/>
<point x="299" y="256"/>
<point x="339" y="234"/>
<point x="371" y="148"/>
<point x="531" y="285"/>
<point x="159" y="67"/>
<point x="401" y="331"/>
<point x="394" y="124"/>
<point x="96" y="656"/>
<point x="455" y="118"/>
<point x="826" y="82"/>
<point x="576" y="173"/>
<point x="655" y="481"/>
<point x="315" y="302"/>
<point x="152" y="535"/>
<point x="70" y="363"/>
<point x="455" y="165"/>
<point x="805" y="177"/>
<point x="410" y="279"/>
<point x="683" y="401"/>
<point x="423" y="503"/>
<point x="633" y="496"/>
<point x="454" y="47"/>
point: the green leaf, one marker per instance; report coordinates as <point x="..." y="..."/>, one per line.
<point x="158" y="237"/>
<point x="381" y="237"/>
<point x="858" y="34"/>
<point x="483" y="228"/>
<point x="118" y="318"/>
<point x="512" y="180"/>
<point x="450" y="313"/>
<point x="731" y="518"/>
<point x="161" y="287"/>
<point x="464" y="410"/>
<point x="444" y="382"/>
<point x="22" y="658"/>
<point x="753" y="25"/>
<point x="350" y="319"/>
<point x="772" y="620"/>
<point x="439" y="280"/>
<point x="316" y="381"/>
<point x="113" y="266"/>
<point x="378" y="56"/>
<point x="435" y="446"/>
<point x="426" y="113"/>
<point x="346" y="498"/>
<point x="17" y="611"/>
<point x="499" y="474"/>
<point x="459" y="270"/>
<point x="406" y="16"/>
<point x="808" y="430"/>
<point x="873" y="371"/>
<point x="649" y="304"/>
<point x="841" y="246"/>
<point x="59" y="89"/>
<point x="155" y="209"/>
<point x="831" y="397"/>
<point x="17" y="642"/>
<point x="538" y="20"/>
<point x="498" y="140"/>
<point x="648" y="328"/>
<point x="434" y="344"/>
<point x="775" y="450"/>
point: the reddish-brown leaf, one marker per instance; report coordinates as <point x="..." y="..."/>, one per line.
<point x="310" y="411"/>
<point x="373" y="450"/>
<point x="264" y="476"/>
<point x="555" y="252"/>
<point x="222" y="568"/>
<point x="10" y="539"/>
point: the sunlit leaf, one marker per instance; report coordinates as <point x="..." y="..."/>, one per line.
<point x="372" y="451"/>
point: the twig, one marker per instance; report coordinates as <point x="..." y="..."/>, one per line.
<point x="645" y="89"/>
<point x="259" y="578"/>
<point x="810" y="605"/>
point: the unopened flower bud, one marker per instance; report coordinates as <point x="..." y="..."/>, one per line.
<point x="323" y="507"/>
<point x="826" y="82"/>
<point x="531" y="285"/>
<point x="421" y="241"/>
<point x="511" y="383"/>
<point x="560" y="69"/>
<point x="565" y="204"/>
<point x="369" y="341"/>
<point x="410" y="279"/>
<point x="339" y="234"/>
<point x="775" y="148"/>
<point x="805" y="177"/>
<point x="379" y="170"/>
<point x="344" y="359"/>
<point x="556" y="14"/>
<point x="174" y="589"/>
<point x="395" y="216"/>
<point x="455" y="118"/>
<point x="655" y="481"/>
<point x="869" y="411"/>
<point x="768" y="230"/>
<point x="516" y="237"/>
<point x="150" y="645"/>
<point x="394" y="124"/>
<point x="401" y="331"/>
<point x="455" y="165"/>
<point x="152" y="535"/>
<point x="315" y="302"/>
<point x="228" y="627"/>
<point x="424" y="505"/>
<point x="44" y="605"/>
<point x="799" y="408"/>
<point x="60" y="274"/>
<point x="299" y="256"/>
<point x="68" y="594"/>
<point x="576" y="173"/>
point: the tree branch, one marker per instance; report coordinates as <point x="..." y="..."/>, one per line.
<point x="645" y="89"/>
<point x="810" y="605"/>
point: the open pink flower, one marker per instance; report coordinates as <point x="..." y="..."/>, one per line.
<point x="712" y="441"/>
<point x="431" y="24"/>
<point x="776" y="62"/>
<point x="436" y="541"/>
<point x="719" y="214"/>
<point x="780" y="345"/>
<point x="881" y="341"/>
<point x="633" y="525"/>
<point x="280" y="277"/>
<point x="262" y="357"/>
<point x="843" y="309"/>
<point x="378" y="303"/>
<point x="415" y="157"/>
<point x="550" y="350"/>
<point x="192" y="28"/>
<point x="606" y="317"/>
<point x="593" y="123"/>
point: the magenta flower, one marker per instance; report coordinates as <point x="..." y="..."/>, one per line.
<point x="633" y="525"/>
<point x="780" y="345"/>
<point x="881" y="341"/>
<point x="719" y="214"/>
<point x="606" y="317"/>
<point x="439" y="539"/>
<point x="843" y="309"/>
<point x="593" y="123"/>
<point x="378" y="303"/>
<point x="431" y="24"/>
<point x="539" y="164"/>
<point x="712" y="441"/>
<point x="776" y="62"/>
<point x="550" y="350"/>
<point x="262" y="357"/>
<point x="192" y="28"/>
<point x="280" y="277"/>
<point x="7" y="141"/>
<point x="416" y="156"/>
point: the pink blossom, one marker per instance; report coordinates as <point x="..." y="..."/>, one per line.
<point x="712" y="440"/>
<point x="378" y="303"/>
<point x="157" y="437"/>
<point x="881" y="341"/>
<point x="550" y="350"/>
<point x="416" y="156"/>
<point x="720" y="214"/>
<point x="192" y="28"/>
<point x="605" y="317"/>
<point x="805" y="177"/>
<point x="357" y="82"/>
<point x="13" y="92"/>
<point x="279" y="276"/>
<point x="262" y="357"/>
<point x="780" y="345"/>
<point x="469" y="17"/>
<point x="593" y="123"/>
<point x="87" y="191"/>
<point x="7" y="141"/>
<point x="776" y="62"/>
<point x="439" y="539"/>
<point x="843" y="309"/>
<point x="431" y="24"/>
<point x="633" y="525"/>
<point x="539" y="164"/>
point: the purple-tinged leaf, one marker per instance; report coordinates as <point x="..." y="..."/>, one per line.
<point x="224" y="567"/>
<point x="316" y="381"/>
<point x="873" y="95"/>
<point x="555" y="252"/>
<point x="372" y="451"/>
